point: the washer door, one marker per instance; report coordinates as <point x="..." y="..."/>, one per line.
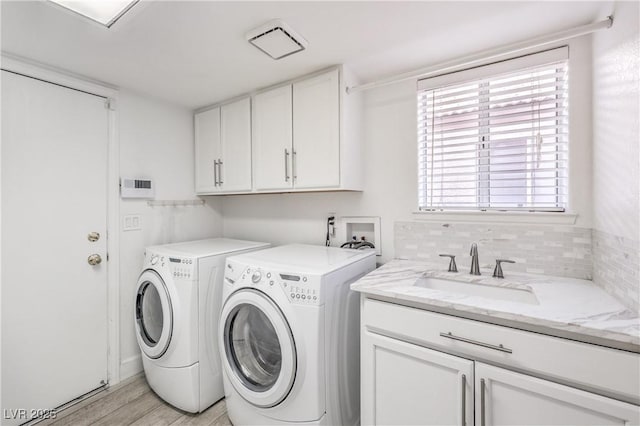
<point x="259" y="352"/>
<point x="154" y="314"/>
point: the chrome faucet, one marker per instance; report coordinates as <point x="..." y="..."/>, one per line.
<point x="475" y="267"/>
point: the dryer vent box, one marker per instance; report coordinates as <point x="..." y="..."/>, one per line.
<point x="136" y="188"/>
<point x="361" y="226"/>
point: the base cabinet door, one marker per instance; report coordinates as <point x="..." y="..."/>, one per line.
<point x="503" y="397"/>
<point x="406" y="384"/>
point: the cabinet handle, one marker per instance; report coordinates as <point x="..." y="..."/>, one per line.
<point x="475" y="342"/>
<point x="464" y="400"/>
<point x="215" y="172"/>
<point x="482" y="408"/>
<point x="286" y="165"/>
<point x="220" y="182"/>
<point x="294" y="165"/>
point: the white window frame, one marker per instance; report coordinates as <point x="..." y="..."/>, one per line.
<point x="556" y="55"/>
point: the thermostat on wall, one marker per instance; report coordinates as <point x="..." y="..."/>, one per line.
<point x="136" y="188"/>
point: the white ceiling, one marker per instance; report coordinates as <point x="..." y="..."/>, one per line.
<point x="194" y="53"/>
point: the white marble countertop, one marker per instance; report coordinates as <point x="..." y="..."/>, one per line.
<point x="567" y="307"/>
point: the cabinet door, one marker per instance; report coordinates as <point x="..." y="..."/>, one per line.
<point x="207" y="149"/>
<point x="405" y="384"/>
<point x="316" y="132"/>
<point x="235" y="170"/>
<point x="507" y="398"/>
<point x="272" y="139"/>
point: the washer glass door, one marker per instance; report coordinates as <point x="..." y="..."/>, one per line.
<point x="254" y="347"/>
<point x="154" y="316"/>
<point x="258" y="347"/>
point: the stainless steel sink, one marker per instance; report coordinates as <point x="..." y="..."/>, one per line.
<point x="481" y="290"/>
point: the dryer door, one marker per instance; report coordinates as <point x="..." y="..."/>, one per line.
<point x="154" y="314"/>
<point x="259" y="354"/>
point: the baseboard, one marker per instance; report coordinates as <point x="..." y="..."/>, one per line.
<point x="131" y="366"/>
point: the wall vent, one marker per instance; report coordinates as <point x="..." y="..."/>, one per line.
<point x="277" y="39"/>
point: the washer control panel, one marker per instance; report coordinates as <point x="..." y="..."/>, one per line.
<point x="299" y="288"/>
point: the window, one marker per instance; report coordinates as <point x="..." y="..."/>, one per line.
<point x="496" y="137"/>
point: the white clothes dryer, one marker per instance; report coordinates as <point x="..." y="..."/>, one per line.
<point x="289" y="335"/>
<point x="178" y="301"/>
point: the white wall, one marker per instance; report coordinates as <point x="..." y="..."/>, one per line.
<point x="156" y="141"/>
<point x="390" y="189"/>
<point x="616" y="159"/>
<point x="616" y="121"/>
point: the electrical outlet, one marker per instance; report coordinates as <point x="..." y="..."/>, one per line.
<point x="332" y="224"/>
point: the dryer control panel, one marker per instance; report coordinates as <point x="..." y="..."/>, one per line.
<point x="178" y="267"/>
<point x="182" y="268"/>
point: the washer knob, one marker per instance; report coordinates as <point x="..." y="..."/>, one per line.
<point x="256" y="277"/>
<point x="154" y="259"/>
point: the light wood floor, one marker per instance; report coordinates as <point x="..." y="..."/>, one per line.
<point x="134" y="403"/>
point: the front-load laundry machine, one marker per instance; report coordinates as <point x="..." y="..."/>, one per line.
<point x="289" y="335"/>
<point x="177" y="307"/>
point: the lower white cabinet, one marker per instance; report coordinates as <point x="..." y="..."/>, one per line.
<point x="504" y="397"/>
<point x="406" y="383"/>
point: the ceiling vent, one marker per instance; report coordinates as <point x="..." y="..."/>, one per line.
<point x="277" y="39"/>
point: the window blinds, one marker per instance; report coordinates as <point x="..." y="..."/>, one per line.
<point x="496" y="137"/>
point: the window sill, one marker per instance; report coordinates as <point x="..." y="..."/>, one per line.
<point x="498" y="216"/>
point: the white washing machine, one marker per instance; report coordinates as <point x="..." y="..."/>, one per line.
<point x="178" y="301"/>
<point x="289" y="335"/>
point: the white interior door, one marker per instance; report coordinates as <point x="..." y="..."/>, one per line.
<point x="54" y="193"/>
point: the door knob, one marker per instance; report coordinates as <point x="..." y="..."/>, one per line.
<point x="94" y="259"/>
<point x="93" y="236"/>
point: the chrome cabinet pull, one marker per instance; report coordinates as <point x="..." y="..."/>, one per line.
<point x="215" y="172"/>
<point x="286" y="165"/>
<point x="482" y="407"/>
<point x="294" y="165"/>
<point x="220" y="182"/>
<point x="475" y="342"/>
<point x="464" y="400"/>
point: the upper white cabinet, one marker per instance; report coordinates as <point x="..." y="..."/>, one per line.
<point x="316" y="132"/>
<point x="207" y="150"/>
<point x="273" y="139"/>
<point x="223" y="148"/>
<point x="234" y="166"/>
<point x="296" y="135"/>
<point x="300" y="136"/>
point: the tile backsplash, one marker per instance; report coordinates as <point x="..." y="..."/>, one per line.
<point x="616" y="267"/>
<point x="558" y="250"/>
